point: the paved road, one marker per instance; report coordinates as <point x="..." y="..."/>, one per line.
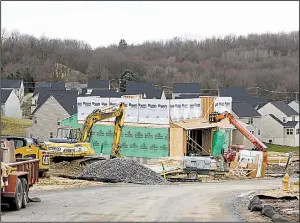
<point x="183" y="202"/>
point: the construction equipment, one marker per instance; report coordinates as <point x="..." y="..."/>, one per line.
<point x="217" y="117"/>
<point x="30" y="148"/>
<point x="74" y="143"/>
<point x="230" y="155"/>
<point x="16" y="179"/>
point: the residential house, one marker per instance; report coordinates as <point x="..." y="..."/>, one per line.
<point x="53" y="108"/>
<point x="148" y="90"/>
<point x="278" y="132"/>
<point x="10" y="104"/>
<point x="240" y="94"/>
<point x="280" y="110"/>
<point x="42" y="88"/>
<point x="245" y="113"/>
<point x="75" y="85"/>
<point x="294" y="105"/>
<point x="280" y="124"/>
<point x="192" y="89"/>
<point x="95" y="84"/>
<point x="16" y="85"/>
<point x="106" y="93"/>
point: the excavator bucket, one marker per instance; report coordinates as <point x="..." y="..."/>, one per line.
<point x="212" y="117"/>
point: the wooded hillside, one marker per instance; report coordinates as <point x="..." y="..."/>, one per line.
<point x="269" y="61"/>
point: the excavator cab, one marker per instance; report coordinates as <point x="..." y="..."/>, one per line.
<point x="67" y="133"/>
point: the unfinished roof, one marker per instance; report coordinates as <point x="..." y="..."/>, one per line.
<point x="186" y="88"/>
<point x="284" y="108"/>
<point x="5" y="94"/>
<point x="237" y="94"/>
<point x="8" y="83"/>
<point x="290" y="124"/>
<point x="244" y="110"/>
<point x="98" y="84"/>
<point x="204" y="124"/>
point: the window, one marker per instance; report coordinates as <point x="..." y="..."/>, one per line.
<point x="289" y="131"/>
<point x="250" y="121"/>
<point x="284" y="119"/>
<point x="51" y="134"/>
<point x="252" y="132"/>
<point x="258" y="132"/>
<point x="297" y="131"/>
<point x="35" y="121"/>
<point x="58" y="121"/>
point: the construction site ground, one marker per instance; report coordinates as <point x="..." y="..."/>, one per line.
<point x="288" y="209"/>
<point x="129" y="202"/>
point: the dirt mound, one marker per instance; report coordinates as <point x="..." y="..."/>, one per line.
<point x="121" y="170"/>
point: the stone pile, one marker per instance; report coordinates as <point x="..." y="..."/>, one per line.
<point x="121" y="170"/>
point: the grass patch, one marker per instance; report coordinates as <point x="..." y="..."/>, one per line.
<point x="14" y="126"/>
<point x="282" y="149"/>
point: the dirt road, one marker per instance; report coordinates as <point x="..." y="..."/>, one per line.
<point x="121" y="202"/>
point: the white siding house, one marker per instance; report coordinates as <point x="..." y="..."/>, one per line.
<point x="16" y="85"/>
<point x="294" y="105"/>
<point x="280" y="124"/>
<point x="10" y="104"/>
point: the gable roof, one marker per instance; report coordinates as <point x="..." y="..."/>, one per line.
<point x="58" y="85"/>
<point x="5" y="93"/>
<point x="256" y="101"/>
<point x="42" y="84"/>
<point x="98" y="84"/>
<point x="43" y="87"/>
<point x="132" y="86"/>
<point x="244" y="110"/>
<point x="65" y="98"/>
<point x="238" y="94"/>
<point x="186" y="88"/>
<point x="284" y="108"/>
<point x="106" y="93"/>
<point x="291" y="124"/>
<point x="149" y="89"/>
<point x="10" y="83"/>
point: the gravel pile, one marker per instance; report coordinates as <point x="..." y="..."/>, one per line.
<point x="121" y="170"/>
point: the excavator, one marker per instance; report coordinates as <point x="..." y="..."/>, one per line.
<point x="74" y="143"/>
<point x="230" y="155"/>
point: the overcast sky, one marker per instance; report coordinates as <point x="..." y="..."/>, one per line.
<point x="104" y="23"/>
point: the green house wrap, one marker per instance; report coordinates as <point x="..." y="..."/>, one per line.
<point x="145" y="142"/>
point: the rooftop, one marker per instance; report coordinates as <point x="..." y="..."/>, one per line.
<point x="98" y="84"/>
<point x="186" y="88"/>
<point x="244" y="110"/>
<point x="291" y="124"/>
<point x="9" y="83"/>
<point x="5" y="94"/>
<point x="284" y="108"/>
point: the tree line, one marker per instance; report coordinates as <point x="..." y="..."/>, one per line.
<point x="269" y="61"/>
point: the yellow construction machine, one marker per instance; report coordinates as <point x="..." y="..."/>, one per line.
<point x="73" y="143"/>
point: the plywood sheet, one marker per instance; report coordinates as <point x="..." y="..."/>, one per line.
<point x="176" y="141"/>
<point x="208" y="105"/>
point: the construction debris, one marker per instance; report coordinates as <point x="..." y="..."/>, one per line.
<point x="121" y="170"/>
